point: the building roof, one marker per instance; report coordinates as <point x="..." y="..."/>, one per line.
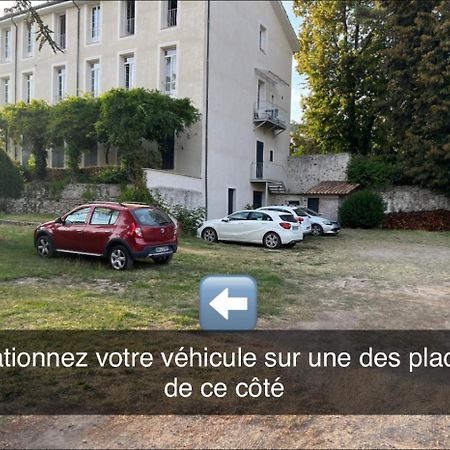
<point x="48" y="3"/>
<point x="332" y="188"/>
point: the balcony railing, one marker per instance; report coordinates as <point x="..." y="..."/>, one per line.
<point x="271" y="114"/>
<point x="171" y="18"/>
<point x="267" y="171"/>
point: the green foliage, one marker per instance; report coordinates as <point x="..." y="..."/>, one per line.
<point x="72" y="122"/>
<point x="417" y="65"/>
<point x="128" y="117"/>
<point x="301" y="143"/>
<point x="26" y="124"/>
<point x="362" y="209"/>
<point x="139" y="195"/>
<point x="374" y="171"/>
<point x="190" y="219"/>
<point x="11" y="181"/>
<point x="110" y="175"/>
<point x="340" y="55"/>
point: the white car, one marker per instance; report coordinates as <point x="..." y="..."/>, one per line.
<point x="270" y="228"/>
<point x="300" y="216"/>
<point x="319" y="225"/>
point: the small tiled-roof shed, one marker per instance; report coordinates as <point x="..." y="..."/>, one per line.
<point x="327" y="196"/>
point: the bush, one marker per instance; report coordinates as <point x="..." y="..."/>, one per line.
<point x="11" y="181"/>
<point x="363" y="209"/>
<point x="189" y="219"/>
<point x="374" y="171"/>
<point x="438" y="220"/>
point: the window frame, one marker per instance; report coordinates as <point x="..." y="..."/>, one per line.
<point x="95" y="29"/>
<point x="111" y="214"/>
<point x="71" y="213"/>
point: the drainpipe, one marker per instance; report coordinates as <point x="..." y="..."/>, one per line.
<point x="207" y="105"/>
<point x="78" y="46"/>
<point x="15" y="59"/>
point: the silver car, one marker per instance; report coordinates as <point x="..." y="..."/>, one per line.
<point x="319" y="225"/>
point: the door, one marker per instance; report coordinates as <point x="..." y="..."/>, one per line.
<point x="233" y="227"/>
<point x="97" y="233"/>
<point x="69" y="234"/>
<point x="259" y="159"/>
<point x="258" y="224"/>
<point x="313" y="203"/>
<point x="257" y="199"/>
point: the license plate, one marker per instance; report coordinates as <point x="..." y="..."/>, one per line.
<point x="161" y="249"/>
<point x="295" y="227"/>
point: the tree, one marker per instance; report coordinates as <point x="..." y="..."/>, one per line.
<point x="418" y="69"/>
<point x="341" y="45"/>
<point x="43" y="32"/>
<point x="130" y="117"/>
<point x="72" y="123"/>
<point x="301" y="143"/>
<point x="11" y="182"/>
<point x="26" y="126"/>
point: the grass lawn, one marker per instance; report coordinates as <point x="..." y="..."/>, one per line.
<point x="360" y="279"/>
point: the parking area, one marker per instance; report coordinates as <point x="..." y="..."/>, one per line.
<point x="358" y="280"/>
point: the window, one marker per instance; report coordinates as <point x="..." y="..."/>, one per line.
<point x="104" y="216"/>
<point x="170" y="13"/>
<point x="256" y="215"/>
<point x="242" y="215"/>
<point x="61" y="27"/>
<point x="28" y="87"/>
<point x="128" y="68"/>
<point x="29" y="40"/>
<point x="60" y="83"/>
<point x="5" y="83"/>
<point x="57" y="157"/>
<point x="151" y="217"/>
<point x="78" y="216"/>
<point x="95" y="23"/>
<point x="271" y="155"/>
<point x="170" y="69"/>
<point x="129" y="17"/>
<point x="94" y="78"/>
<point x="231" y="201"/>
<point x="6" y="45"/>
<point x="91" y="157"/>
<point x="262" y="38"/>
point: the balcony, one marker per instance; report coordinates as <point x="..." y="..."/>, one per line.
<point x="267" y="172"/>
<point x="270" y="115"/>
<point x="171" y="19"/>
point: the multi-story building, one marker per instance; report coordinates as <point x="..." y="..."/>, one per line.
<point x="232" y="58"/>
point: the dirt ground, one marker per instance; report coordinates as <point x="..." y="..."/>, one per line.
<point x="407" y="286"/>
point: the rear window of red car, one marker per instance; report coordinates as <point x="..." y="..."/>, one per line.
<point x="151" y="217"/>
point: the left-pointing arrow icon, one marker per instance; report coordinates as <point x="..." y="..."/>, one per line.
<point x="223" y="303"/>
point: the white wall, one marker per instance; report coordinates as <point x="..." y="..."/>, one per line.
<point x="234" y="55"/>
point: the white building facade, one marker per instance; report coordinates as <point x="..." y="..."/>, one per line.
<point x="232" y="58"/>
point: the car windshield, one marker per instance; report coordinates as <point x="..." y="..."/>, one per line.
<point x="288" y="218"/>
<point x="151" y="217"/>
<point x="300" y="212"/>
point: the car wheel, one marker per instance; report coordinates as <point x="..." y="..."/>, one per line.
<point x="209" y="235"/>
<point x="44" y="246"/>
<point x="316" y="230"/>
<point x="290" y="245"/>
<point x="119" y="258"/>
<point x="272" y="240"/>
<point x="163" y="259"/>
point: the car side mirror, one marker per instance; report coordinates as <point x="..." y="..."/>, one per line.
<point x="225" y="219"/>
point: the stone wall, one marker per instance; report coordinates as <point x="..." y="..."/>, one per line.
<point x="412" y="198"/>
<point x="44" y="198"/>
<point x="186" y="198"/>
<point x="304" y="172"/>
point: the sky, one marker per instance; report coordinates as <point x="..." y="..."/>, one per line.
<point x="298" y="83"/>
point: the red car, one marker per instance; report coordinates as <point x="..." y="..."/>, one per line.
<point x="120" y="232"/>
